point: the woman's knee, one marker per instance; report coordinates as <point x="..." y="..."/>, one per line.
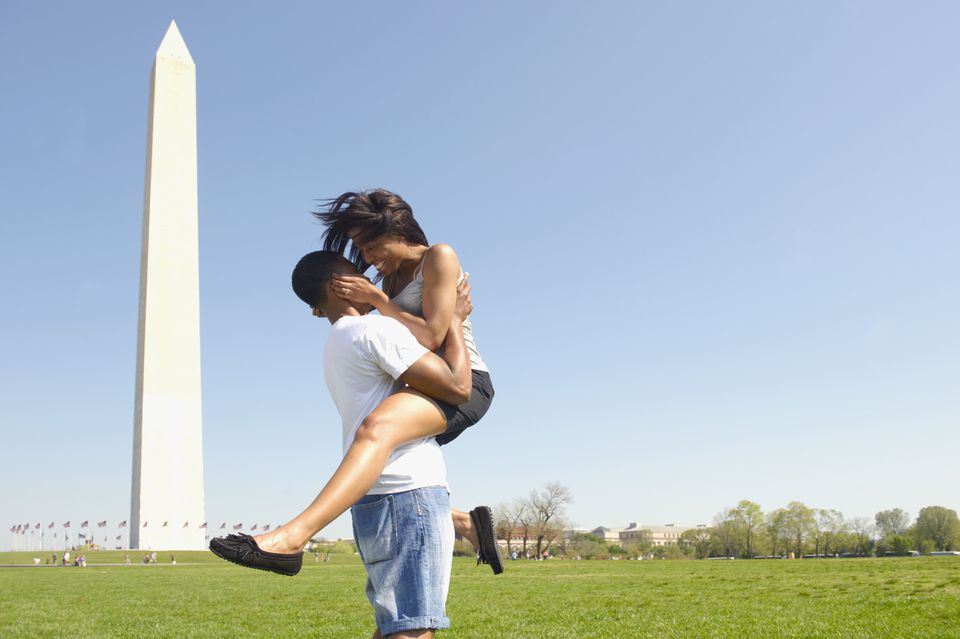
<point x="375" y="429"/>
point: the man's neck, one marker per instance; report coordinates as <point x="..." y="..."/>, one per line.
<point x="336" y="314"/>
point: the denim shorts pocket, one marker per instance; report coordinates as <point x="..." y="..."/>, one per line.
<point x="375" y="525"/>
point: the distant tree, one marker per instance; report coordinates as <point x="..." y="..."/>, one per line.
<point x="776" y="525"/>
<point x="830" y="525"/>
<point x="891" y="522"/>
<point x="524" y="519"/>
<point x="750" y="518"/>
<point x="698" y="541"/>
<point x="726" y="534"/>
<point x="862" y="531"/>
<point x="939" y="526"/>
<point x="547" y="507"/>
<point x="587" y="547"/>
<point x="510" y="518"/>
<point x="900" y="544"/>
<point x="673" y="551"/>
<point x="800" y="525"/>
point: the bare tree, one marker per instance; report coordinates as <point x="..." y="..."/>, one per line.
<point x="547" y="508"/>
<point x="504" y="523"/>
<point x="514" y="519"/>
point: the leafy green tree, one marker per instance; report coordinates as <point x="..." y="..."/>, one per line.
<point x="750" y="519"/>
<point x="776" y="527"/>
<point x="673" y="551"/>
<point x="800" y="525"/>
<point x="862" y="531"/>
<point x="891" y="522"/>
<point x="830" y="525"/>
<point x="697" y="540"/>
<point x="587" y="547"/>
<point x="900" y="544"/>
<point x="726" y="534"/>
<point x="939" y="526"/>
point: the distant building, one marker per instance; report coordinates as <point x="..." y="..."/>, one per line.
<point x="666" y="535"/>
<point x="607" y="535"/>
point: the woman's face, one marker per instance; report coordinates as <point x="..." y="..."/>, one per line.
<point x="385" y="253"/>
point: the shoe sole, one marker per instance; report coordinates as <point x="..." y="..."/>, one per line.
<point x="484" y="519"/>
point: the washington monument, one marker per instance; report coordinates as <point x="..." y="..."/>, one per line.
<point x="167" y="496"/>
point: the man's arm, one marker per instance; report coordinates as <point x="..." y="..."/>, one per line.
<point x="447" y="378"/>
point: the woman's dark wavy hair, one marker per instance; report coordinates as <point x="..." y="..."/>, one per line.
<point x="372" y="214"/>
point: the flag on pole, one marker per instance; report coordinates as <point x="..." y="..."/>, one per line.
<point x="102" y="524"/>
<point x="84" y="523"/>
<point x="37" y="527"/>
<point x="238" y="526"/>
<point x="164" y="524"/>
<point x="186" y="524"/>
<point x="51" y="525"/>
<point x="223" y="525"/>
<point x="266" y="527"/>
<point x="254" y="527"/>
<point x="123" y="524"/>
<point x="203" y="525"/>
<point x="118" y="537"/>
<point x="82" y="535"/>
<point x="145" y="524"/>
<point x="66" y="525"/>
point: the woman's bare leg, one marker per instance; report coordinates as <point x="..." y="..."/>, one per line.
<point x="402" y="417"/>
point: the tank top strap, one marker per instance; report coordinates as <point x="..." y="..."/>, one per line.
<point x="418" y="272"/>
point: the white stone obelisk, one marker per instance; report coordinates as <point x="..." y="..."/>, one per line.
<point x="167" y="497"/>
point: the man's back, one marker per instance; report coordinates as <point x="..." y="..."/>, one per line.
<point x="362" y="360"/>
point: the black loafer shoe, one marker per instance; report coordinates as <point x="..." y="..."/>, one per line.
<point x="489" y="552"/>
<point x="243" y="550"/>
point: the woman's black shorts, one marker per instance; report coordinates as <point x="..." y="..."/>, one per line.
<point x="460" y="418"/>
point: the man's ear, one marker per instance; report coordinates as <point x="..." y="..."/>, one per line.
<point x="317" y="312"/>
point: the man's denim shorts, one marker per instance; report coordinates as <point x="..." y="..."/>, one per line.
<point x="406" y="543"/>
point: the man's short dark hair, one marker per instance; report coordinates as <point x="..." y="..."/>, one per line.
<point x="313" y="271"/>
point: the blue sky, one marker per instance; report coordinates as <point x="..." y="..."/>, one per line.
<point x="713" y="247"/>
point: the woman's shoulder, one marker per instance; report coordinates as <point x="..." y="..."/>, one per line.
<point x="441" y="258"/>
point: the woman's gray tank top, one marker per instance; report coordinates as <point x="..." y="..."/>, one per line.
<point x="410" y="299"/>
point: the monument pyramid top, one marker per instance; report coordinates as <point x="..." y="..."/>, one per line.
<point x="173" y="46"/>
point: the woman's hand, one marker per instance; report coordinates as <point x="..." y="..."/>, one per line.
<point x="357" y="288"/>
<point x="463" y="305"/>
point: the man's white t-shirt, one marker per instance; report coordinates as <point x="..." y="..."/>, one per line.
<point x="362" y="360"/>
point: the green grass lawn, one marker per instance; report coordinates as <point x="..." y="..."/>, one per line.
<point x="204" y="597"/>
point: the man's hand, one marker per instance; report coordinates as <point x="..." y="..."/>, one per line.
<point x="463" y="306"/>
<point x="357" y="288"/>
